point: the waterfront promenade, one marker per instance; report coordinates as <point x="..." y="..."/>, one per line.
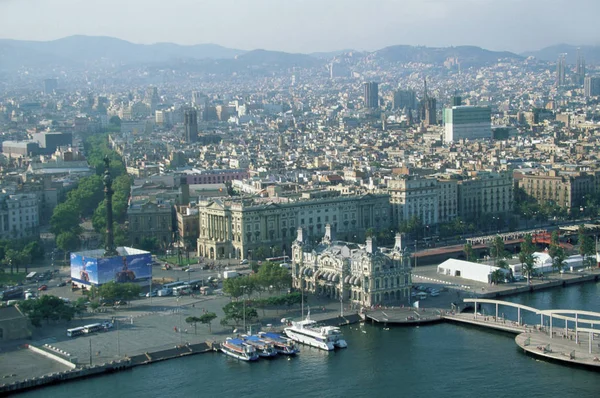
<point x="568" y="336"/>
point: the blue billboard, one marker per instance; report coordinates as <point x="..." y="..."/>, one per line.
<point x="120" y="269"/>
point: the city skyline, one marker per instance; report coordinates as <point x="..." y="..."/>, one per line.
<point x="295" y="26"/>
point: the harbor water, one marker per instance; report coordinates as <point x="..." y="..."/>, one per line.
<point x="443" y="360"/>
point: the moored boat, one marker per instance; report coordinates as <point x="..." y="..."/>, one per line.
<point x="263" y="348"/>
<point x="282" y="345"/>
<point x="308" y="332"/>
<point x="237" y="348"/>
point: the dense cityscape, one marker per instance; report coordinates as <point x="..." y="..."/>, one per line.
<point x="396" y="186"/>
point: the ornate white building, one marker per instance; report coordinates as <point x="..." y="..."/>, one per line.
<point x="360" y="274"/>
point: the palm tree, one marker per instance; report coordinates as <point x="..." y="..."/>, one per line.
<point x="526" y="257"/>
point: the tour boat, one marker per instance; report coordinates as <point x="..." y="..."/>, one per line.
<point x="282" y="344"/>
<point x="309" y="333"/>
<point x="238" y="349"/>
<point x="263" y="348"/>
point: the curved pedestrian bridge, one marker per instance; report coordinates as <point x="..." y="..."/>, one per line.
<point x="571" y="336"/>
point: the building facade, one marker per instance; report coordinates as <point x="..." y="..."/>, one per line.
<point x="150" y="220"/>
<point x="566" y="190"/>
<point x="485" y="193"/>
<point x="405" y="99"/>
<point x="19" y="216"/>
<point x="349" y="272"/>
<point x="237" y="229"/>
<point x="190" y="122"/>
<point x="591" y="86"/>
<point x="371" y="94"/>
<point x="413" y="196"/>
<point x="467" y="123"/>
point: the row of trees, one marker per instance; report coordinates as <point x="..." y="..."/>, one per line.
<point x="15" y="254"/>
<point x="87" y="200"/>
<point x="269" y="276"/>
<point x="206" y="319"/>
<point x="51" y="308"/>
<point x="557" y="253"/>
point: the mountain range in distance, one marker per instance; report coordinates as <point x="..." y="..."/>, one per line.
<point x="84" y="51"/>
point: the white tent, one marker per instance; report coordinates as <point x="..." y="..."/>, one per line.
<point x="468" y="270"/>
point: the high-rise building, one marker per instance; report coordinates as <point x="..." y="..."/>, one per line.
<point x="561" y="70"/>
<point x="428" y="108"/>
<point x="191" y="125"/>
<point x="456" y="100"/>
<point x="467" y="122"/>
<point x="405" y="99"/>
<point x="591" y="86"/>
<point x="50" y="85"/>
<point x="371" y="94"/>
<point x="151" y="98"/>
<point x="580" y="69"/>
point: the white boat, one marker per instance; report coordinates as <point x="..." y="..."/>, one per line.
<point x="282" y="344"/>
<point x="263" y="348"/>
<point x="309" y="333"/>
<point x="238" y="349"/>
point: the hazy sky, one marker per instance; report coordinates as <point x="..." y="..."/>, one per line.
<point x="311" y="25"/>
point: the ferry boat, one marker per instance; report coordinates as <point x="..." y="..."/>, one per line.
<point x="309" y="333"/>
<point x="282" y="344"/>
<point x="263" y="348"/>
<point x="238" y="349"/>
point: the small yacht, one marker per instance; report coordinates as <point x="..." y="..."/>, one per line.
<point x="308" y="332"/>
<point x="282" y="344"/>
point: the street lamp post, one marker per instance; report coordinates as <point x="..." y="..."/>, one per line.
<point x="244" y="307"/>
<point x="180" y="325"/>
<point x="302" y="293"/>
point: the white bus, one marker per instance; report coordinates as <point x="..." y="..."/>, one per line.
<point x="94" y="327"/>
<point x="181" y="290"/>
<point x="75" y="331"/>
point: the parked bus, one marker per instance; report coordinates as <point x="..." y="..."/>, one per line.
<point x="13" y="293"/>
<point x="181" y="290"/>
<point x="94" y="327"/>
<point x="194" y="284"/>
<point x="30" y="276"/>
<point x="280" y="259"/>
<point x="75" y="331"/>
<point x="173" y="285"/>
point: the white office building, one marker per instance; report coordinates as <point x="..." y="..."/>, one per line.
<point x="467" y="123"/>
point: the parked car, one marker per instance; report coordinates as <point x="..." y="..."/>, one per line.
<point x="244" y="261"/>
<point x="61" y="284"/>
<point x="43" y="287"/>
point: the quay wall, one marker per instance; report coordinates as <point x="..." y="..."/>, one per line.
<point x="541" y="286"/>
<point x="54" y="357"/>
<point x="114" y="366"/>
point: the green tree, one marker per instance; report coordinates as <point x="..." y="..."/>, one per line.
<point x="115" y="120"/>
<point x="469" y="252"/>
<point x="235" y="311"/>
<point x="149" y="243"/>
<point x="497" y="276"/>
<point x="587" y="246"/>
<point x="113" y="291"/>
<point x="65" y="218"/>
<point x="35" y="250"/>
<point x="192" y="320"/>
<point x="526" y="257"/>
<point x="497" y="250"/>
<point x="67" y="241"/>
<point x="48" y="308"/>
<point x="207" y="319"/>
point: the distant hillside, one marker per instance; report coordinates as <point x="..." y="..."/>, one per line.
<point x="76" y="50"/>
<point x="467" y="55"/>
<point x="276" y="58"/>
<point x="96" y="51"/>
<point x="551" y="54"/>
